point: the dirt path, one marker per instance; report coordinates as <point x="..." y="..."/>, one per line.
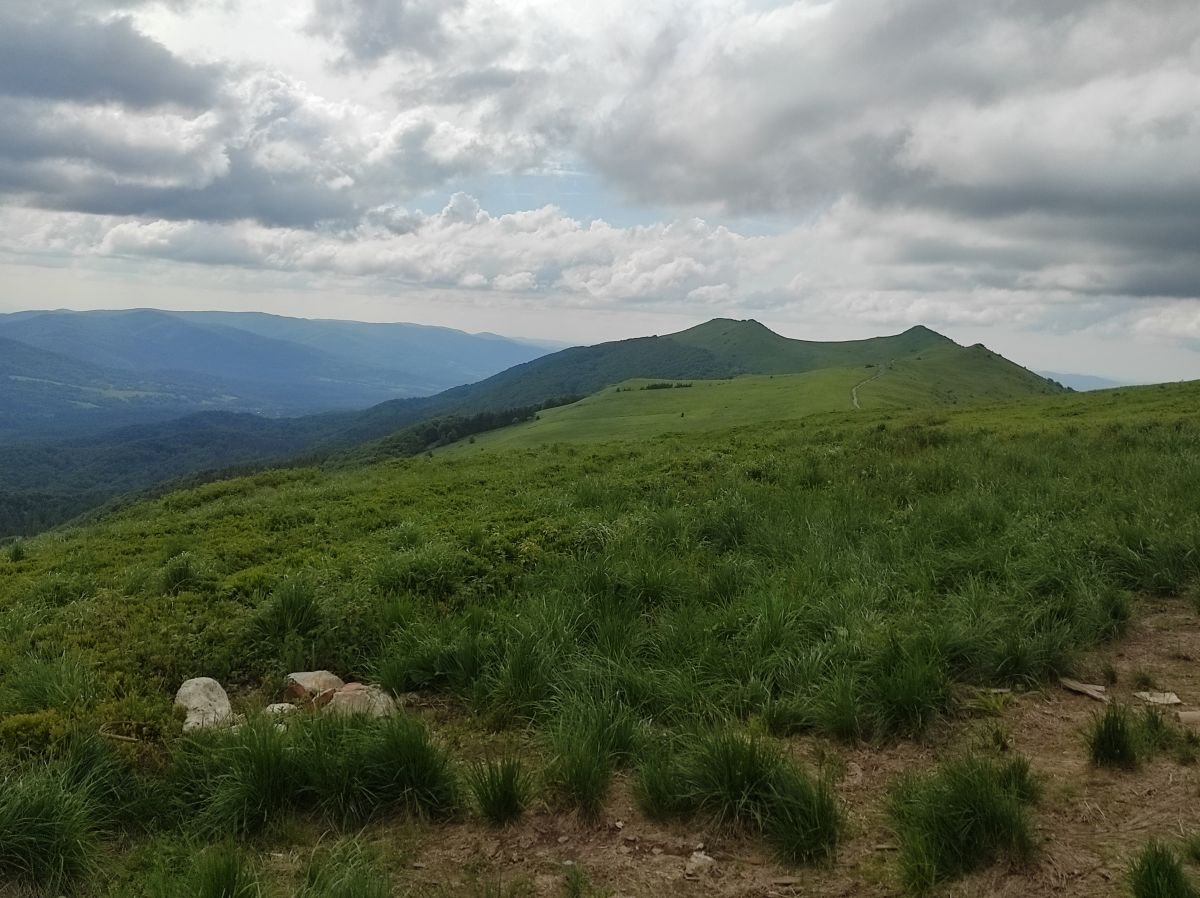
<point x="854" y="390"/>
<point x="1091" y="822"/>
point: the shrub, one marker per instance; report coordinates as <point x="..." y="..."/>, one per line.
<point x="501" y="788"/>
<point x="16" y="552"/>
<point x="1158" y="873"/>
<point x="47" y="832"/>
<point x="961" y="817"/>
<point x="1112" y="739"/>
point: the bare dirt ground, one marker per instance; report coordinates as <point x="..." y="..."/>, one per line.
<point x="1091" y="821"/>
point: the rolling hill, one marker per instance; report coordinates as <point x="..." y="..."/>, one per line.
<point x="923" y="368"/>
<point x="942" y="374"/>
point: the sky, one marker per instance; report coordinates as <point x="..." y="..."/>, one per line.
<point x="1022" y="173"/>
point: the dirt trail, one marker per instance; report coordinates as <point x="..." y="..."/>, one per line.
<point x="854" y="390"/>
<point x="1091" y="822"/>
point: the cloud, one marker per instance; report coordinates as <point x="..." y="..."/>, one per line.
<point x="87" y="60"/>
<point x="1020" y="162"/>
<point x="370" y="30"/>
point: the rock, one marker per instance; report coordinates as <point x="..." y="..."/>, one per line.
<point x="206" y="704"/>
<point x="699" y="864"/>
<point x="279" y="709"/>
<point x="1159" y="698"/>
<point x="1091" y="690"/>
<point x="359" y="698"/>
<point x="1189" y="719"/>
<point x="307" y="683"/>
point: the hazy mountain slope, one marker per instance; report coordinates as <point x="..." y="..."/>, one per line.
<point x="43" y="393"/>
<point x="435" y="357"/>
<point x="268" y="363"/>
<point x="1082" y="382"/>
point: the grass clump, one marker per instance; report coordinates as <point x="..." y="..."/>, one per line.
<point x="501" y="788"/>
<point x="221" y="871"/>
<point x="357" y="769"/>
<point x="590" y="740"/>
<point x="344" y="871"/>
<point x="47" y="832"/>
<point x="1158" y="873"/>
<point x="962" y="816"/>
<point x="744" y="783"/>
<point x="1112" y="739"/>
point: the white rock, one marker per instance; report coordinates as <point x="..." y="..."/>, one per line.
<point x="358" y="698"/>
<point x="312" y="682"/>
<point x="279" y="709"/>
<point x="206" y="704"/>
<point x="699" y="863"/>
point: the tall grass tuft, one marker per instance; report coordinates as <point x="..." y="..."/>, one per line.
<point x="222" y="871"/>
<point x="291" y="610"/>
<point x="259" y="780"/>
<point x="356" y="769"/>
<point x="961" y="817"/>
<point x="33" y="683"/>
<point x="344" y="871"/>
<point x="501" y="788"/>
<point x="1158" y="873"/>
<point x="743" y="783"/>
<point x="590" y="739"/>
<point x="1112" y="739"/>
<point x="47" y="832"/>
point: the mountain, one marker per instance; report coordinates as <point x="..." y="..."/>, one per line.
<point x="43" y="393"/>
<point x="1082" y="382"/>
<point x="267" y="364"/>
<point x="921" y="368"/>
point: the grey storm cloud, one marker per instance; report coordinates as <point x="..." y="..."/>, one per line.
<point x="370" y="30"/>
<point x="908" y="155"/>
<point x="91" y="61"/>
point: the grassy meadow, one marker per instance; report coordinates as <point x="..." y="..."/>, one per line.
<point x="672" y="610"/>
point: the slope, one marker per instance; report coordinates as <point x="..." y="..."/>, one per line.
<point x="844" y="605"/>
<point x="719" y="350"/>
<point x="943" y="374"/>
<point x="47" y="394"/>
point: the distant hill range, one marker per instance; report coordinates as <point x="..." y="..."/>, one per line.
<point x="72" y="370"/>
<point x="94" y="468"/>
<point x="1082" y="382"/>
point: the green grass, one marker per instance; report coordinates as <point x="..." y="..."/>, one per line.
<point x="48" y="833"/>
<point x="743" y="784"/>
<point x="501" y="788"/>
<point x="221" y="871"/>
<point x="842" y="574"/>
<point x="963" y="815"/>
<point x="1112" y="738"/>
<point x="1158" y="873"/>
<point x="942" y="376"/>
